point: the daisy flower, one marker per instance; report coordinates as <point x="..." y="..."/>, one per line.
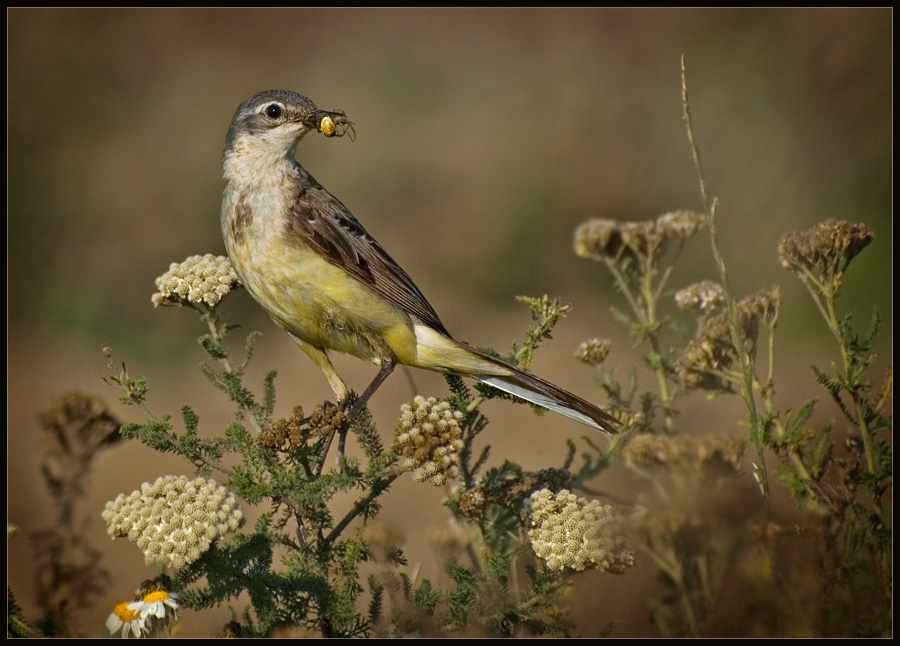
<point x="128" y="617"/>
<point x="159" y="604"/>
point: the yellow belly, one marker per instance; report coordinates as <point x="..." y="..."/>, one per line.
<point x="320" y="303"/>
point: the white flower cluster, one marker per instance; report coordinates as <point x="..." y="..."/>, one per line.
<point x="199" y="279"/>
<point x="430" y="439"/>
<point x="174" y="520"/>
<point x="571" y="532"/>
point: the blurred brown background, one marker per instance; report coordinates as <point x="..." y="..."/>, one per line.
<point x="484" y="137"/>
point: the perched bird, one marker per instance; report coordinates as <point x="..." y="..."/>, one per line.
<point x="320" y="275"/>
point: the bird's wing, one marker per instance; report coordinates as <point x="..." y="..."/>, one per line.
<point x="328" y="227"/>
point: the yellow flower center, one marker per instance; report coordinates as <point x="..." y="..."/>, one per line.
<point x="123" y="613"/>
<point x="159" y="595"/>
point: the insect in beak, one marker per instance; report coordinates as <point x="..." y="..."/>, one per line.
<point x="334" y="124"/>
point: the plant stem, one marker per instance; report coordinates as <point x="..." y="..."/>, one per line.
<point x="747" y="362"/>
<point x="851" y="386"/>
<point x="657" y="365"/>
<point x="377" y="488"/>
<point x="212" y="321"/>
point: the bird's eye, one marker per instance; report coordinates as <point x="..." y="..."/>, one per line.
<point x="273" y="111"/>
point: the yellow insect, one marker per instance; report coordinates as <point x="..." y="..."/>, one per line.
<point x="327" y="126"/>
<point x="336" y="124"/>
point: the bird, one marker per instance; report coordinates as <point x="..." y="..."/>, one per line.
<point x="306" y="259"/>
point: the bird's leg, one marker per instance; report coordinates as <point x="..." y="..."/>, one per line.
<point x="321" y="359"/>
<point x="387" y="367"/>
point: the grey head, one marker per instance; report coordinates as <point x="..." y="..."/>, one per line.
<point x="279" y="118"/>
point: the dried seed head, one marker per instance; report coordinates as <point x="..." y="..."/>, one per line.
<point x="644" y="240"/>
<point x="296" y="431"/>
<point x="680" y="224"/>
<point x="825" y="249"/>
<point x="715" y="454"/>
<point x="593" y="351"/>
<point x="710" y="355"/>
<point x="597" y="238"/>
<point x="79" y="424"/>
<point x="702" y="297"/>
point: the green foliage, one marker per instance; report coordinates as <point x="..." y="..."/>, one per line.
<point x="545" y="314"/>
<point x="16" y="624"/>
<point x="838" y="475"/>
<point x="302" y="564"/>
<point x="312" y="561"/>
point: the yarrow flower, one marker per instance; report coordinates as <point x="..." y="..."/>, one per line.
<point x="510" y="490"/>
<point x="593" y="351"/>
<point x="77" y="427"/>
<point x="824" y="251"/>
<point x="646" y="240"/>
<point x="571" y="532"/>
<point x="628" y="418"/>
<point x="472" y="501"/>
<point x="80" y="419"/>
<point x="702" y="297"/>
<point x="174" y="520"/>
<point x="296" y="431"/>
<point x="680" y="224"/>
<point x="597" y="237"/>
<point x="430" y="438"/>
<point x="716" y="453"/>
<point x="198" y="280"/>
<point x="706" y="361"/>
<point x="127" y="618"/>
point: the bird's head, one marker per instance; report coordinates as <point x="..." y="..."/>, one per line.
<point x="277" y="119"/>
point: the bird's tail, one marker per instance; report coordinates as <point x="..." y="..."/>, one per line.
<point x="436" y="351"/>
<point x="537" y="391"/>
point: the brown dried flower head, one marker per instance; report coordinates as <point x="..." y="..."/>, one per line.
<point x="702" y="297"/>
<point x="513" y="490"/>
<point x="629" y="418"/>
<point x="597" y="238"/>
<point x="472" y="502"/>
<point x="665" y="522"/>
<point x="593" y="351"/>
<point x="642" y="239"/>
<point x="709" y="356"/>
<point x="645" y="240"/>
<point x="79" y="424"/>
<point x="430" y="438"/>
<point x="198" y="280"/>
<point x="682" y="224"/>
<point x="715" y="454"/>
<point x="825" y="250"/>
<point x="296" y="431"/>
